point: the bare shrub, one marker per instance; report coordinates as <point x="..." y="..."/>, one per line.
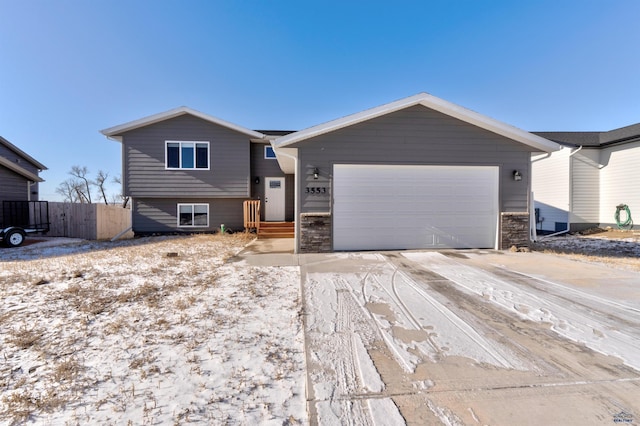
<point x="67" y="371"/>
<point x="24" y="337"/>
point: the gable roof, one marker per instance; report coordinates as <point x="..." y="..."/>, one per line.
<point x="431" y="102"/>
<point x="15" y="167"/>
<point x="22" y="154"/>
<point x="622" y="134"/>
<point x="116" y="131"/>
<point x="595" y="139"/>
<point x="19" y="170"/>
<point x="587" y="139"/>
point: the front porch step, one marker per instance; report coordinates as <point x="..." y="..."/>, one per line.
<point x="276" y="230"/>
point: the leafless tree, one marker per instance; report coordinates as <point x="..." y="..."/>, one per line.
<point x="100" y="181"/>
<point x="68" y="190"/>
<point x="77" y="189"/>
<point x="125" y="200"/>
<point x="80" y="173"/>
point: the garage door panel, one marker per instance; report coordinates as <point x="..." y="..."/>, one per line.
<point x="400" y="207"/>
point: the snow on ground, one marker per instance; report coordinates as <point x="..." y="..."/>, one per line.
<point x="358" y="303"/>
<point x="589" y="318"/>
<point x="163" y="330"/>
<point x="615" y="248"/>
<point x="340" y="331"/>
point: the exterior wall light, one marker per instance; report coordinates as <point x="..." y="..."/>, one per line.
<point x="256" y="180"/>
<point x="517" y="176"/>
<point x="316" y="173"/>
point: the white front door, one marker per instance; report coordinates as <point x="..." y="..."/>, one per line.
<point x="274" y="199"/>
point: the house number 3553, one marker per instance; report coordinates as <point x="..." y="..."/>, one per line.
<point x="316" y="190"/>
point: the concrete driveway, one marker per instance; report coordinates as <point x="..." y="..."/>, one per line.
<point x="470" y="337"/>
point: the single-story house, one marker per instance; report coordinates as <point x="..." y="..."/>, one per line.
<point x="19" y="174"/>
<point x="581" y="185"/>
<point x="419" y="172"/>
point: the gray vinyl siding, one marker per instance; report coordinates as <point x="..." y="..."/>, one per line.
<point x="18" y="159"/>
<point x="144" y="161"/>
<point x="415" y="135"/>
<point x="12" y="186"/>
<point x="159" y="215"/>
<point x="262" y="168"/>
<point x="585" y="189"/>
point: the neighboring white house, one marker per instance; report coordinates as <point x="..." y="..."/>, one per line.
<point x="581" y="185"/>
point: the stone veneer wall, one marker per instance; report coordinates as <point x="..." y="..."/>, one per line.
<point x="514" y="230"/>
<point x="315" y="233"/>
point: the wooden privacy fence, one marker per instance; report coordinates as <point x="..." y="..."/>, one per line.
<point x="87" y="221"/>
<point x="251" y="215"/>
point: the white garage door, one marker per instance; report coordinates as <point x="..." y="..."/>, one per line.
<point x="378" y="207"/>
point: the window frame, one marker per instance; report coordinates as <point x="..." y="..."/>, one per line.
<point x="266" y="148"/>
<point x="193" y="215"/>
<point x="180" y="154"/>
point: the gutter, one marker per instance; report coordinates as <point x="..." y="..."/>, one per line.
<point x="296" y="200"/>
<point x="570" y="206"/>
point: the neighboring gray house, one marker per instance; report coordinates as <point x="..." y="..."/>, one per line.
<point x="580" y="186"/>
<point x="19" y="177"/>
<point x="416" y="173"/>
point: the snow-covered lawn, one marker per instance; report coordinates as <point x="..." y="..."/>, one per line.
<point x="163" y="330"/>
<point x="618" y="249"/>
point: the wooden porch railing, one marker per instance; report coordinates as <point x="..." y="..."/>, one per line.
<point x="251" y="215"/>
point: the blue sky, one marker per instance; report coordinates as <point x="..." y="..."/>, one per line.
<point x="69" y="68"/>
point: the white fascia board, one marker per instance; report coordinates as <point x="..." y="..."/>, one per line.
<point x="23" y="154"/>
<point x="431" y="102"/>
<point x="490" y="124"/>
<point x="21" y="171"/>
<point x="114" y="132"/>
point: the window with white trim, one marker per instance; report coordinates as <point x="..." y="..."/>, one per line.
<point x="193" y="215"/>
<point x="187" y="155"/>
<point x="269" y="153"/>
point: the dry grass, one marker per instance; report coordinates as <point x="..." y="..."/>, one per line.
<point x="24" y="336"/>
<point x="103" y="330"/>
<point x="614" y="248"/>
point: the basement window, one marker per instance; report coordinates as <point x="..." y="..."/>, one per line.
<point x="193" y="215"/>
<point x="187" y="155"/>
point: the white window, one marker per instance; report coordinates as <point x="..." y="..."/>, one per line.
<point x="269" y="153"/>
<point x="193" y="215"/>
<point x="187" y="155"/>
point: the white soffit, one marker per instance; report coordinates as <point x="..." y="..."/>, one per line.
<point x="432" y="102"/>
<point x="286" y="159"/>
<point x="116" y="131"/>
<point x="23" y="154"/>
<point x="21" y="171"/>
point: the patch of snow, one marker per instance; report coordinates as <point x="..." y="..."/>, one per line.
<point x="384" y="412"/>
<point x="587" y="319"/>
<point x="110" y="333"/>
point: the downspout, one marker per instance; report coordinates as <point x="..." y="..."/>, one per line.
<point x="542" y="157"/>
<point x="570" y="200"/>
<point x="296" y="200"/>
<point x="576" y="151"/>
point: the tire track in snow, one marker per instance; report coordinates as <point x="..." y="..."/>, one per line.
<point x="413" y="302"/>
<point x="404" y="309"/>
<point x="586" y="323"/>
<point x="358" y="398"/>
